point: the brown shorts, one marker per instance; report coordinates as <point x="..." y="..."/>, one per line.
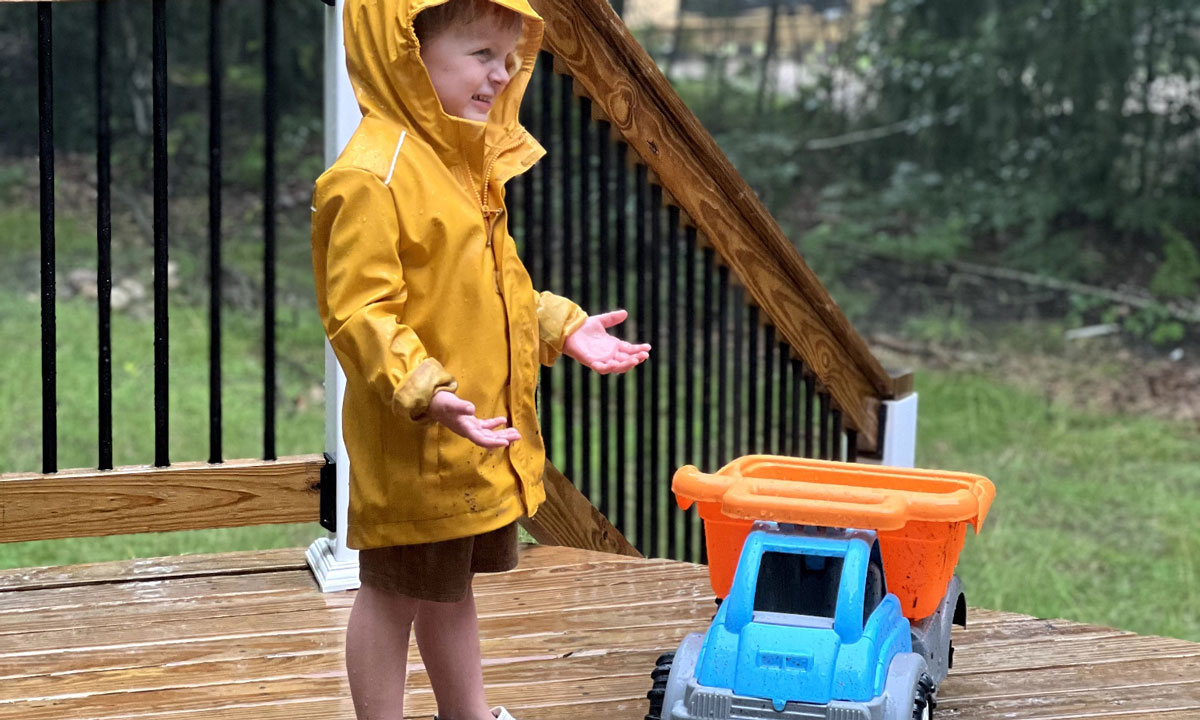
<point x="438" y="571"/>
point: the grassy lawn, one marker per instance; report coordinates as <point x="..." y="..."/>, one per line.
<point x="1094" y="518"/>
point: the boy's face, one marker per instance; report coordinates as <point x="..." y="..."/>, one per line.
<point x="468" y="66"/>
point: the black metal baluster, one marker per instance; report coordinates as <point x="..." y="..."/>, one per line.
<point x="708" y="378"/>
<point x="755" y="331"/>
<point x="645" y="321"/>
<point x="709" y="440"/>
<point x="824" y="446"/>
<point x="658" y="519"/>
<point x="693" y="327"/>
<point x="766" y="444"/>
<point x="214" y="230"/>
<point x="671" y="308"/>
<point x="627" y="520"/>
<point x="738" y="402"/>
<point x="608" y="480"/>
<point x="270" y="125"/>
<point x="851" y="445"/>
<point x="161" y="324"/>
<point x="723" y="360"/>
<point x="783" y="426"/>
<point x="545" y="127"/>
<point x="809" y="426"/>
<point x="46" y="197"/>
<point x="566" y="154"/>
<point x="835" y="437"/>
<point x="586" y="268"/>
<point x="797" y="400"/>
<point x="103" y="241"/>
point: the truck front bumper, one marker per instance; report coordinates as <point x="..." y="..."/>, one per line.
<point x="706" y="703"/>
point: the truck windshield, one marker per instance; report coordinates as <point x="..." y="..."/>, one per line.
<point x="798" y="584"/>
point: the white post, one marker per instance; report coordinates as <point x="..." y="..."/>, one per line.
<point x="900" y="432"/>
<point x="335" y="565"/>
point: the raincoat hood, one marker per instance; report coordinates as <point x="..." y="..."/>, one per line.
<point x="391" y="83"/>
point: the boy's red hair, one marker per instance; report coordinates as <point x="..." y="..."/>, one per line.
<point x="431" y="22"/>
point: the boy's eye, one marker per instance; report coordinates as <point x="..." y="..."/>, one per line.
<point x="484" y="54"/>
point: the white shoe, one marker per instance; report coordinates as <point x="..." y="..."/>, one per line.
<point x="499" y="712"/>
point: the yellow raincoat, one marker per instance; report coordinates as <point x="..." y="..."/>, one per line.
<point x="420" y="289"/>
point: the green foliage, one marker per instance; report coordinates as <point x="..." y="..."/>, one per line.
<point x="1179" y="274"/>
<point x="1047" y="135"/>
<point x="1154" y="323"/>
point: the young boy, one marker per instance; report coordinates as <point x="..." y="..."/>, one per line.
<point x="440" y="332"/>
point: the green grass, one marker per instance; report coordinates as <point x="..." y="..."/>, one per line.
<point x="1094" y="518"/>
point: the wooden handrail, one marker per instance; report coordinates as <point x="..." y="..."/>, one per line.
<point x="592" y="45"/>
<point x="568" y="518"/>
<point x="184" y="496"/>
<point x="198" y="496"/>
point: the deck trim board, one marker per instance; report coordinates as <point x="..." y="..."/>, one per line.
<point x="499" y="673"/>
<point x="139" y="569"/>
<point x="190" y="600"/>
<point x="1087" y="678"/>
<point x="1079" y="703"/>
<point x="15" y="608"/>
<point x="570" y="634"/>
<point x="61" y="627"/>
<point x="94" y="599"/>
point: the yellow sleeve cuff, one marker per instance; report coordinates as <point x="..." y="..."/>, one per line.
<point x="558" y="317"/>
<point x="413" y="396"/>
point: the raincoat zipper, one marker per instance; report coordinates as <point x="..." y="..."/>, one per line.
<point x="487" y="178"/>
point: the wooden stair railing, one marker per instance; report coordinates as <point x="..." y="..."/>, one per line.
<point x="592" y="45"/>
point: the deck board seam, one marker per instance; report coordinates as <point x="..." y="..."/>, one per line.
<point x="157" y="578"/>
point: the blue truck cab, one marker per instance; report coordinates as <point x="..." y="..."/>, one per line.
<point x="808" y="630"/>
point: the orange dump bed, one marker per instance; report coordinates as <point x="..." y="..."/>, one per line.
<point x="920" y="515"/>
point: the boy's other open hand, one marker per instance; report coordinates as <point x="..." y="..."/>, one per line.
<point x="591" y="345"/>
<point x="459" y="415"/>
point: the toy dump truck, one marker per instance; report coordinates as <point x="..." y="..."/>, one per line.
<point x="841" y="603"/>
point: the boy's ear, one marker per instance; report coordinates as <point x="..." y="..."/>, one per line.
<point x="512" y="63"/>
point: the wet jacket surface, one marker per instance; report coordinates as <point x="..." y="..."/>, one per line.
<point x="420" y="288"/>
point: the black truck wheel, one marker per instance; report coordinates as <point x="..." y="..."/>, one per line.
<point x="924" y="700"/>
<point x="658" y="689"/>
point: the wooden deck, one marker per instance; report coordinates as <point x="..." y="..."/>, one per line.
<point x="570" y="634"/>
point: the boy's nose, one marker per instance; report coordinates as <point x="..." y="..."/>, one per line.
<point x="500" y="76"/>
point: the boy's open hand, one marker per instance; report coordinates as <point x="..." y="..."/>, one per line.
<point x="459" y="415"/>
<point x="591" y="345"/>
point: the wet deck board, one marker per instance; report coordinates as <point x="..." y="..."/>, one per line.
<point x="569" y="634"/>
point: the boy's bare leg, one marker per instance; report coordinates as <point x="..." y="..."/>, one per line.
<point x="377" y="652"/>
<point x="448" y="637"/>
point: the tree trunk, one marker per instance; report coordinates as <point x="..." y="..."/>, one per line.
<point x="676" y="40"/>
<point x="765" y="71"/>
